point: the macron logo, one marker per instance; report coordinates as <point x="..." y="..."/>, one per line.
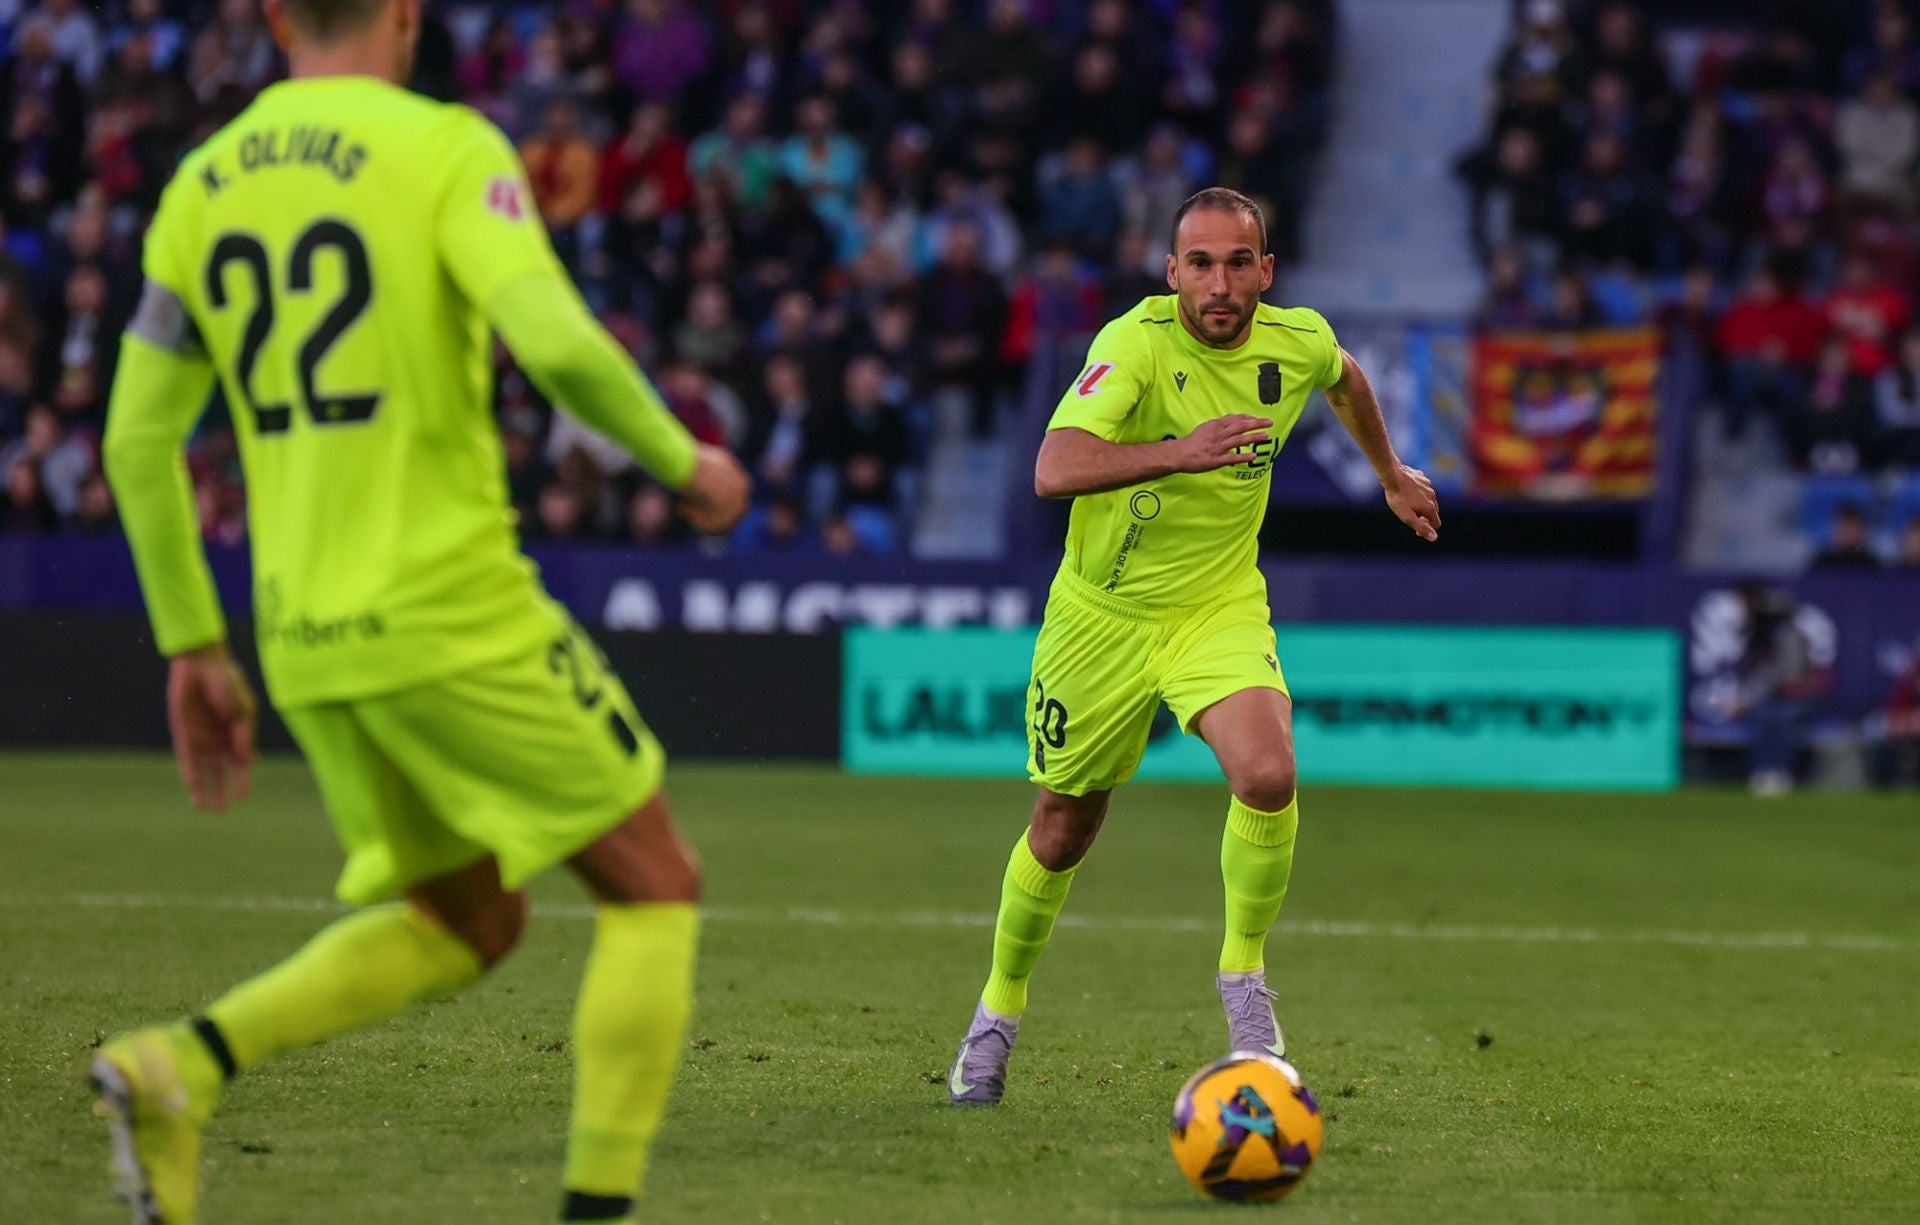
<point x="1090" y="381"/>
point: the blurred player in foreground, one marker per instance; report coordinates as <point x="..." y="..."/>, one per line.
<point x="338" y="256"/>
<point x="1165" y="442"/>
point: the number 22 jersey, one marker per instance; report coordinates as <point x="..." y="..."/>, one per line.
<point x="334" y="247"/>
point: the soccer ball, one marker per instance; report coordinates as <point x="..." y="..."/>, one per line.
<point x="1246" y="1127"/>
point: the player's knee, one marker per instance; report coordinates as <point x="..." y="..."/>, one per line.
<point x="1265" y="786"/>
<point x="1063" y="829"/>
<point x="493" y="931"/>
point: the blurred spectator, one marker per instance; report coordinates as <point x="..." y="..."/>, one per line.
<point x="1891" y="51"/>
<point x="1254" y="162"/>
<point x="1899" y="764"/>
<point x="1795" y="190"/>
<point x="1059" y="298"/>
<point x="60" y="463"/>
<point x="1623" y="50"/>
<point x="1152" y="187"/>
<point x="1078" y="203"/>
<point x="737" y="154"/>
<point x="866" y="441"/>
<point x="1515" y="201"/>
<point x="777" y="527"/>
<point x="1766" y="340"/>
<point x="822" y="161"/>
<point x="1848" y="549"/>
<point x="25" y="506"/>
<point x="659" y="48"/>
<point x="782" y="443"/>
<point x="1102" y="103"/>
<point x="232" y="57"/>
<point x="95" y="512"/>
<point x="1570" y="304"/>
<point x="1831" y="431"/>
<point x="1897" y="402"/>
<point x="1868" y="313"/>
<point x="962" y="310"/>
<point x="711" y="338"/>
<point x="650" y="517"/>
<point x="1878" y="135"/>
<point x="559" y="515"/>
<point x="1907" y="559"/>
<point x="564" y="171"/>
<point x="1609" y="206"/>
<point x="1509" y="302"/>
<point x="1777" y="682"/>
<point x="1690" y="320"/>
<point x="648" y="152"/>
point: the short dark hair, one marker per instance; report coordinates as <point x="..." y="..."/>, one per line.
<point x="1226" y="200"/>
<point x="330" y="19"/>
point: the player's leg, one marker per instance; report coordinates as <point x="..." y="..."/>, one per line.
<point x="372" y="964"/>
<point x="544" y="760"/>
<point x="1251" y="734"/>
<point x="1225" y="685"/>
<point x="1032" y="892"/>
<point x="635" y="1000"/>
<point x="160" y="1085"/>
<point x="1091" y="706"/>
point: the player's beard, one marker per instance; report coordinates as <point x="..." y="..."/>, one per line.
<point x="1213" y="333"/>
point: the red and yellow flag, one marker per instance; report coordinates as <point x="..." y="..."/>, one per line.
<point x="1562" y="415"/>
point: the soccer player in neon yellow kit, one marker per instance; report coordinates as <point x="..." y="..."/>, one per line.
<point x="1158" y="598"/>
<point x="340" y="256"/>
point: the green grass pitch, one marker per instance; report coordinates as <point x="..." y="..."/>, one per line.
<point x="1515" y="1008"/>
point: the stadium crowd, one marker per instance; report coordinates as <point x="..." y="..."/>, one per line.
<point x="1748" y="181"/>
<point x="829" y="229"/>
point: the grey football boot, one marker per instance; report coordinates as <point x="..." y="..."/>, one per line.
<point x="979" y="1074"/>
<point x="1249" y="1006"/>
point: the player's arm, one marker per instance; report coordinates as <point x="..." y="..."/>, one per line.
<point x="1081" y="453"/>
<point x="160" y="387"/>
<point x="570" y="357"/>
<point x="1409" y="492"/>
<point x="494" y="246"/>
<point x="1073" y="461"/>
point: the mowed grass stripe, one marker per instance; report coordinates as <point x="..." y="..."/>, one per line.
<point x="1352" y="928"/>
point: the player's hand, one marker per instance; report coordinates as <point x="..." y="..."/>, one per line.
<point x="1411" y="496"/>
<point x="210" y="710"/>
<point x="1216" y="443"/>
<point x="715" y="496"/>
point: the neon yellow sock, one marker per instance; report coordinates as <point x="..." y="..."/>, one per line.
<point x="1030" y="900"/>
<point x="628" y="1029"/>
<point x="362" y="969"/>
<point x="1256" y="858"/>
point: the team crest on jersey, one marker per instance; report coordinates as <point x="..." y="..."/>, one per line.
<point x="503" y="197"/>
<point x="1090" y="380"/>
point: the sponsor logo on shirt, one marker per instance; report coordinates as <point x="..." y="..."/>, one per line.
<point x="1090" y="381"/>
<point x="503" y="197"/>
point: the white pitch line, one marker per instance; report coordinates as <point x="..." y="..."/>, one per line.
<point x="1457" y="932"/>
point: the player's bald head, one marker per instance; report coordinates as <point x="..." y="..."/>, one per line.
<point x="1222" y="200"/>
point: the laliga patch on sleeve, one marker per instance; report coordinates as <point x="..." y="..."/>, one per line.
<point x="503" y="197"/>
<point x="1091" y="380"/>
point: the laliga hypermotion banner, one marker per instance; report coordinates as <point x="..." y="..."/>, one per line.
<point x="1462" y="706"/>
<point x="1565" y="415"/>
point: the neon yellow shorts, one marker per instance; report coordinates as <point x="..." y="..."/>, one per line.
<point x="529" y="760"/>
<point x="1102" y="666"/>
